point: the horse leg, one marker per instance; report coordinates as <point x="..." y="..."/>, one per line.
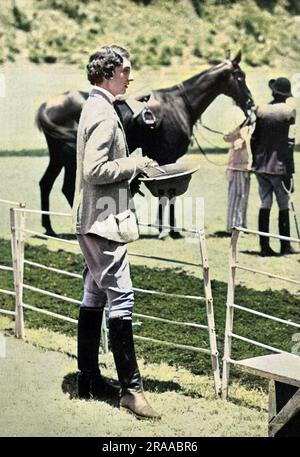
<point x="174" y="233"/>
<point x="46" y="184"/>
<point x="68" y="188"/>
<point x="162" y="203"/>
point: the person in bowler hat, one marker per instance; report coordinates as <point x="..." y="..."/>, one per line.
<point x="272" y="146"/>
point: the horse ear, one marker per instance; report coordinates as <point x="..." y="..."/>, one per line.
<point x="228" y="53"/>
<point x="237" y="58"/>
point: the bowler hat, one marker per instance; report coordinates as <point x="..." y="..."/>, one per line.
<point x="168" y="179"/>
<point x="281" y="86"/>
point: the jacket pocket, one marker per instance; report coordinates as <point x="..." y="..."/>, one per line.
<point x="127" y="225"/>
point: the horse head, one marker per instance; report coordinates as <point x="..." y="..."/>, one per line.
<point x="234" y="85"/>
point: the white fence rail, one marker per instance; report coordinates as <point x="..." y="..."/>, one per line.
<point x="19" y="232"/>
<point x="231" y="306"/>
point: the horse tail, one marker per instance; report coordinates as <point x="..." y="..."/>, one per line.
<point x="51" y="129"/>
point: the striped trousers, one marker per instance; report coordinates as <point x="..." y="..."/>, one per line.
<point x="238" y="194"/>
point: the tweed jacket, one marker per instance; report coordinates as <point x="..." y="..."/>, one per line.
<point x="103" y="204"/>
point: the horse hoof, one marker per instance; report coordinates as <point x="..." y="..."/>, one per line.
<point x="162" y="235"/>
<point x="176" y="235"/>
<point x="50" y="232"/>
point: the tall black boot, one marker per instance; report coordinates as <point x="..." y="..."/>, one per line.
<point x="122" y="344"/>
<point x="90" y="381"/>
<point x="263" y="226"/>
<point x="284" y="230"/>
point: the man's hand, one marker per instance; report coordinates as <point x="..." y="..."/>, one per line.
<point x="288" y="183"/>
<point x="144" y="162"/>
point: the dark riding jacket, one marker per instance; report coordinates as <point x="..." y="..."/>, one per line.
<point x="272" y="143"/>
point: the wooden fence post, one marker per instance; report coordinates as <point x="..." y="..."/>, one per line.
<point x="17" y="245"/>
<point x="210" y="313"/>
<point x="229" y="313"/>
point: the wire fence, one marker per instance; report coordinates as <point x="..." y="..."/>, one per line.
<point x="19" y="232"/>
<point x="231" y="306"/>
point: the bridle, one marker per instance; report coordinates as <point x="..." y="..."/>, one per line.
<point x="249" y="120"/>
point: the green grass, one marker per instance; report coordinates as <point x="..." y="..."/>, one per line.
<point x="47" y="389"/>
<point x="282" y="304"/>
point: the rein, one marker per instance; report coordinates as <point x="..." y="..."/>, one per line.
<point x="247" y="121"/>
<point x="192" y="114"/>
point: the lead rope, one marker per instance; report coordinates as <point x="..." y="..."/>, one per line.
<point x="205" y="155"/>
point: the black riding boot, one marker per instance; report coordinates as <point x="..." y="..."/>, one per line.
<point x="122" y="345"/>
<point x="284" y="230"/>
<point x="263" y="226"/>
<point x="90" y="381"/>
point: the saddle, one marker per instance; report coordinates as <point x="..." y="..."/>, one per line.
<point x="152" y="106"/>
<point x="146" y="108"/>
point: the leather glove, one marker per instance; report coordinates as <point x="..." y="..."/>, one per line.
<point x="135" y="187"/>
<point x="288" y="183"/>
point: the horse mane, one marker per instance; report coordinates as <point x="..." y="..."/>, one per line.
<point x="212" y="70"/>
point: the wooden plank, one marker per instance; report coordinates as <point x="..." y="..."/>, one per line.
<point x="283" y="367"/>
<point x="285" y="414"/>
<point x="272" y="400"/>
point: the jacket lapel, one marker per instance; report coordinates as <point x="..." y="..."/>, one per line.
<point x="99" y="94"/>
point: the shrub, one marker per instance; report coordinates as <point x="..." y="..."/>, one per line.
<point x="21" y="20"/>
<point x="165" y="55"/>
<point x="197" y="51"/>
<point x="177" y="51"/>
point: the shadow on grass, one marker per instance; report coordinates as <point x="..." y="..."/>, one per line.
<point x="256" y="253"/>
<point x="148" y="236"/>
<point x="69" y="386"/>
<point x="152" y="385"/>
<point x="64" y="236"/>
<point x="220" y="234"/>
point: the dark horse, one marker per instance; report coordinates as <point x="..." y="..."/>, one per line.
<point x="176" y="109"/>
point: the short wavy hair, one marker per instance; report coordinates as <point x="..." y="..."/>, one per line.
<point x="104" y="61"/>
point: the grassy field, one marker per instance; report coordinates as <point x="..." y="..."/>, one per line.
<point x="21" y="184"/>
<point x="42" y="402"/>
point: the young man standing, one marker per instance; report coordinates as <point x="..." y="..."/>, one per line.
<point x="106" y="221"/>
